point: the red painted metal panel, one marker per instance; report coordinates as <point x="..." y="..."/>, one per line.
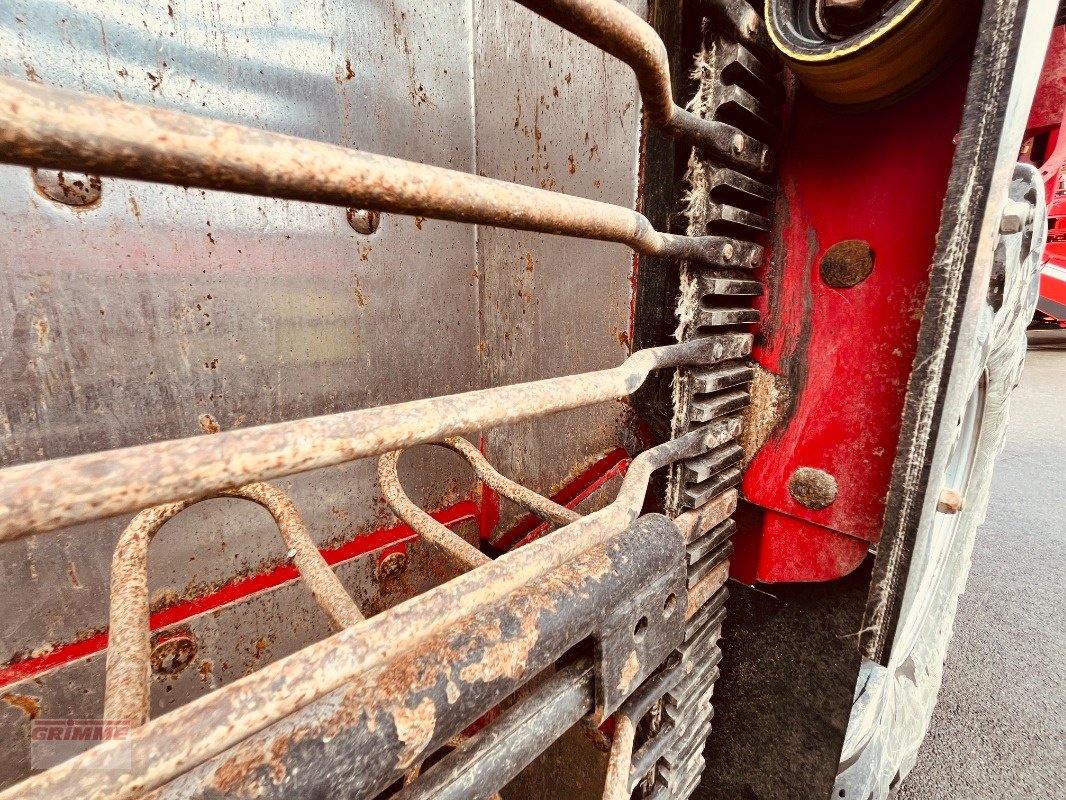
<point x="846" y="354"/>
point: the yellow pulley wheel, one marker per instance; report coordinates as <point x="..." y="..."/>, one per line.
<point x="867" y="52"/>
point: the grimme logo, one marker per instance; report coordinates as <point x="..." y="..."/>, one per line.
<point x="55" y="740"/>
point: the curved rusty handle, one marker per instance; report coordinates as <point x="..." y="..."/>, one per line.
<point x="126" y="694"/>
<point x="436" y="533"/>
<point x="440" y="535"/>
<point x="546" y="509"/>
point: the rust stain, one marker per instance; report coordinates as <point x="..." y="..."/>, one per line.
<point x="359" y="298"/>
<point x="208" y="424"/>
<point x="414" y="727"/>
<point x="419" y="221"/>
<point x="771" y="398"/>
<point x="573" y="163"/>
<point x="530" y="262"/>
<point x="205" y="671"/>
<point x="72" y="574"/>
<point x="349" y="73"/>
<point x="29" y="705"/>
<point x="41" y="326"/>
<point x="237" y="771"/>
<point x="629" y="672"/>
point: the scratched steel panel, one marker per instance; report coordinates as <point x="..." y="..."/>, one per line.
<point x="553" y="112"/>
<point x="124" y="322"/>
<point x="127" y="321"/>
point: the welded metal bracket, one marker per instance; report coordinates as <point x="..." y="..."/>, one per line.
<point x="642" y="631"/>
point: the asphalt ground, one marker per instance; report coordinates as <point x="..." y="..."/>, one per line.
<point x="999" y="729"/>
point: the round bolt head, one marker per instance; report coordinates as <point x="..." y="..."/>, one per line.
<point x="949" y="502"/>
<point x="75" y="189"/>
<point x="392" y="566"/>
<point x="847" y="263"/>
<point x="812" y="488"/>
<point x="728" y="251"/>
<point x="172" y="655"/>
<point x="363" y="221"/>
<point x="738" y="143"/>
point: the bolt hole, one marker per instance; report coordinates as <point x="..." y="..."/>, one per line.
<point x="641" y="629"/>
<point x="841" y="793"/>
<point x="670" y="604"/>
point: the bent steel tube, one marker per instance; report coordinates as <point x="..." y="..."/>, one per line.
<point x="547" y="510"/>
<point x="45" y="127"/>
<point x="126" y="693"/>
<point x="189" y="735"/>
<point x="42" y="496"/>
<point x="436" y="533"/>
<point x="440" y="535"/>
<point x="615" y="29"/>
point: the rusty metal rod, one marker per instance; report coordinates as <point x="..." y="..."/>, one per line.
<point x="439" y="535"/>
<point x="615" y="29"/>
<point x="619" y="767"/>
<point x="45" y="495"/>
<point x="547" y="510"/>
<point x="616" y="786"/>
<point x="128" y="670"/>
<point x="499" y="751"/>
<point x="41" y="126"/>
<point x="189" y="735"/>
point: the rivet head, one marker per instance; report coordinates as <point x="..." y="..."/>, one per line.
<point x="847" y="263"/>
<point x="738" y="143"/>
<point x="728" y="251"/>
<point x="75" y="189"/>
<point x="174" y="654"/>
<point x="392" y="566"/>
<point x="812" y="488"/>
<point x="363" y="221"/>
<point x="949" y="502"/>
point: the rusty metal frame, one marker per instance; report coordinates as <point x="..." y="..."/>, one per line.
<point x="43" y="496"/>
<point x="641" y="560"/>
<point x="439" y="534"/>
<point x="45" y="127"/>
<point x="194" y="733"/>
<point x="126" y="696"/>
<point x="615" y="29"/>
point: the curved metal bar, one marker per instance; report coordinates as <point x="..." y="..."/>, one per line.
<point x="436" y="533"/>
<point x="128" y="670"/>
<point x="548" y="510"/>
<point x="45" y="495"/>
<point x="615" y="29"/>
<point x="193" y="733"/>
<point x="45" y="127"/>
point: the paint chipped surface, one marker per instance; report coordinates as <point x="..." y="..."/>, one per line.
<point x="28" y="704"/>
<point x="771" y="398"/>
<point x="629" y="672"/>
<point x="414" y="727"/>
